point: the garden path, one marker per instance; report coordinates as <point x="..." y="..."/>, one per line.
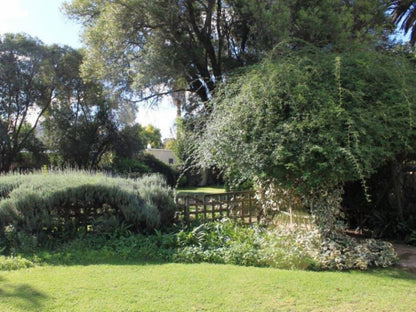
<point x="407" y="257"/>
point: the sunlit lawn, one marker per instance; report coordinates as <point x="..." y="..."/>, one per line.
<point x="204" y="189"/>
<point x="202" y="287"/>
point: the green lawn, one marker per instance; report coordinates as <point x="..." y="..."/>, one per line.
<point x="202" y="287"/>
<point x="205" y="189"/>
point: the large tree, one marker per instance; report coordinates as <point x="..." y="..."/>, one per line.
<point x="80" y="124"/>
<point x="158" y="47"/>
<point x="26" y="92"/>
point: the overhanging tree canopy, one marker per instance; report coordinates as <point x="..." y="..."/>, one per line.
<point x="157" y="47"/>
<point x="311" y="118"/>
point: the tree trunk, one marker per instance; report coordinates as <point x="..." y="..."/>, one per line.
<point x="397" y="178"/>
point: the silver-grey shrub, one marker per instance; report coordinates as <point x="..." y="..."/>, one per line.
<point x="60" y="205"/>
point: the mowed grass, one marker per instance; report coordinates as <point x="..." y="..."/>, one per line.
<point x="202" y="287"/>
<point x="202" y="190"/>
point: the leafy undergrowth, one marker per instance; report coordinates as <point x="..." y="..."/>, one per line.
<point x="202" y="287"/>
<point x="14" y="263"/>
<point x="223" y="242"/>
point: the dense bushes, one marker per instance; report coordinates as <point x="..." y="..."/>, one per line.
<point x="313" y="120"/>
<point x="158" y="166"/>
<point x="14" y="263"/>
<point x="336" y="249"/>
<point x="391" y="213"/>
<point x="145" y="163"/>
<point x="227" y="243"/>
<point x="40" y="208"/>
<point x="311" y="117"/>
<point x="82" y="217"/>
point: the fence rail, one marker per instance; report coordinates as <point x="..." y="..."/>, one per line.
<point x="208" y="207"/>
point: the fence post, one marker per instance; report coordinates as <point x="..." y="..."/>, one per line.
<point x="204" y="208"/>
<point x="187" y="210"/>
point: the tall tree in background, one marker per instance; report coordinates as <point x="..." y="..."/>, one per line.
<point x="150" y="48"/>
<point x="404" y="15"/>
<point x="152" y="136"/>
<point x="80" y="124"/>
<point x="26" y="92"/>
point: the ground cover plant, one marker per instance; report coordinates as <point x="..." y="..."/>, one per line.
<point x="221" y="242"/>
<point x="202" y="287"/>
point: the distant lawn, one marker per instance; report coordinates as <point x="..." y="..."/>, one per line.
<point x="205" y="189"/>
<point x="202" y="287"/>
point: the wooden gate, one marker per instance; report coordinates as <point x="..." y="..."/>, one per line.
<point x="208" y="207"/>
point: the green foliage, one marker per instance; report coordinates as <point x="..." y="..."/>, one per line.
<point x="60" y="206"/>
<point x="129" y="141"/>
<point x="311" y="118"/>
<point x="347" y="253"/>
<point x="339" y="251"/>
<point x="158" y="46"/>
<point x="158" y="166"/>
<point x="130" y="167"/>
<point x="14" y="263"/>
<point x="155" y="191"/>
<point x="152" y="136"/>
<point x="142" y="164"/>
<point x="227" y="243"/>
<point x="280" y="247"/>
<point x="133" y="139"/>
<point x="26" y="88"/>
<point x="80" y="125"/>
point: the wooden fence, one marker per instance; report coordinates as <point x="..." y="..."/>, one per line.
<point x="208" y="207"/>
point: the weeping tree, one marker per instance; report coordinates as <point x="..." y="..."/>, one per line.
<point x="310" y="117"/>
<point x="310" y="121"/>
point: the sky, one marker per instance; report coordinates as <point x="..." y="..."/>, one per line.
<point x="44" y="20"/>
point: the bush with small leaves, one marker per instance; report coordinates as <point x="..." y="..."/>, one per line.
<point x="14" y="263"/>
<point x="63" y="205"/>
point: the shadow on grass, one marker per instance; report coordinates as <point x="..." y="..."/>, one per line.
<point x="22" y="297"/>
<point x="395" y="273"/>
<point x="98" y="260"/>
<point x="382" y="273"/>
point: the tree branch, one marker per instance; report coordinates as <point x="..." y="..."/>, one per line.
<point x="159" y="94"/>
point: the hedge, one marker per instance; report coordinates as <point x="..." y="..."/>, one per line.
<point x="43" y="207"/>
